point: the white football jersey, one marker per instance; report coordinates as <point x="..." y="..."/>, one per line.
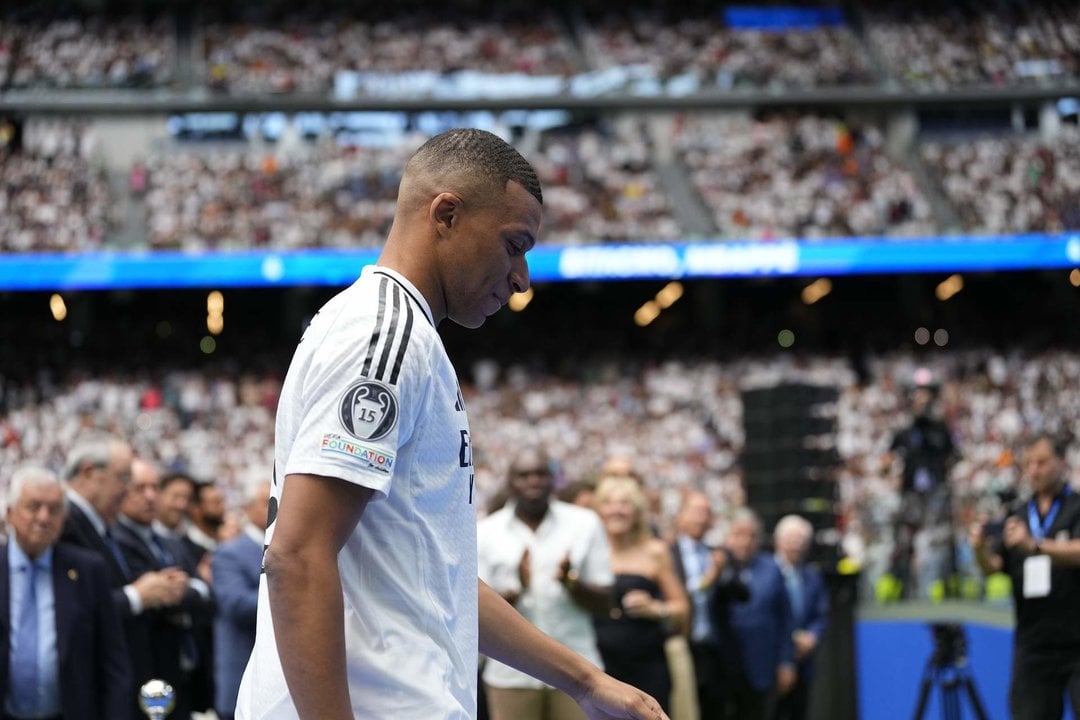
<point x="371" y="398"/>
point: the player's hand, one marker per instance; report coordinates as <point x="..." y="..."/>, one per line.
<point x="977" y="533"/>
<point x="785" y="679"/>
<point x="1016" y="534"/>
<point x="639" y="604"/>
<point x="525" y="570"/>
<point x="804" y="642"/>
<point x="605" y="698"/>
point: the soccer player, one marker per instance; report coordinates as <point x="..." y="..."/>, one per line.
<point x="370" y="605"/>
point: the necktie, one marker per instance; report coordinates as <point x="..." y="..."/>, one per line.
<point x="794" y="588"/>
<point x="25" y="679"/>
<point x="114" y="548"/>
<point x="163" y="555"/>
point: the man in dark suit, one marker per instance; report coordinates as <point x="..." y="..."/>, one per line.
<point x="237" y="566"/>
<point x="173" y="648"/>
<point x="762" y="625"/>
<point x="98" y="471"/>
<point x="809" y="609"/>
<point x="711" y="583"/>
<point x="62" y="654"/>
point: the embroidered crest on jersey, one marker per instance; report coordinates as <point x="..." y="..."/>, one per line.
<point x="369" y="410"/>
<point x="334" y="444"/>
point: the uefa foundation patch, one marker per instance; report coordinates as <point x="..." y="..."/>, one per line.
<point x="336" y="445"/>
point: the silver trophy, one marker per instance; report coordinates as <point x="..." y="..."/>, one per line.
<point x="157" y="699"/>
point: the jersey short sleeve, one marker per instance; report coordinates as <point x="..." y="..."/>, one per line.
<point x="360" y="389"/>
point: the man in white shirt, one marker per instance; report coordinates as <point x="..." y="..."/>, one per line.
<point x="551" y="561"/>
<point x="370" y="604"/>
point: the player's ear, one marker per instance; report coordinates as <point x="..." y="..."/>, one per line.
<point x="444" y="212"/>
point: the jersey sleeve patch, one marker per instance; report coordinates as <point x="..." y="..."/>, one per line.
<point x="368" y="410"/>
<point x="357" y="453"/>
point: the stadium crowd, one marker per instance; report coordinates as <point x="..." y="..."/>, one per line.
<point x="936" y="46"/>
<point x="1012" y="185"/>
<point x="273" y="49"/>
<point x="722" y="58"/>
<point x="757" y="177"/>
<point x="95" y="53"/>
<point x="53" y="196"/>
<point x="219" y="427"/>
<point x="246" y="58"/>
<point x="801" y="176"/>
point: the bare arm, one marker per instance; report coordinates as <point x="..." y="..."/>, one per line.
<point x="593" y="599"/>
<point x="316" y="516"/>
<point x="989" y="562"/>
<point x="1061" y="552"/>
<point x="507" y="637"/>
<point x="677" y="609"/>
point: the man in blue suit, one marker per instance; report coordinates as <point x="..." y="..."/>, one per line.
<point x="237" y="566"/>
<point x="62" y="652"/>
<point x="174" y="655"/>
<point x="809" y="608"/>
<point x="762" y="626"/>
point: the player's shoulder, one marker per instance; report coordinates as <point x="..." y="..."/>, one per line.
<point x="380" y="322"/>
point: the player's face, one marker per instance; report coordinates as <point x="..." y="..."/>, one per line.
<point x="791" y="545"/>
<point x="116" y="477"/>
<point x="1042" y="466"/>
<point x="741" y="540"/>
<point x="530" y="479"/>
<point x="618" y="513"/>
<point x="488" y="265"/>
<point x="37" y="518"/>
<point x="173" y="503"/>
<point x="696" y="517"/>
<point x="140" y="501"/>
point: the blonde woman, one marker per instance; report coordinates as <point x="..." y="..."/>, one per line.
<point x="649" y="601"/>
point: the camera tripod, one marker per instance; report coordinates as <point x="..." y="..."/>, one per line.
<point x="948" y="669"/>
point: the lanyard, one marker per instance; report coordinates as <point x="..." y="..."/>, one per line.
<point x="1040" y="528"/>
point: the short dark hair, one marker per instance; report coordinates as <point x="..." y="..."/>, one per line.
<point x="173" y="477"/>
<point x="1058" y="443"/>
<point x="482" y="154"/>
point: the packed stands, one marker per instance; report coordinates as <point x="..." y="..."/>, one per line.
<point x="92" y="53"/>
<point x="935" y="46"/>
<point x="52" y="195"/>
<point x="782" y="176"/>
<point x="1012" y="184"/>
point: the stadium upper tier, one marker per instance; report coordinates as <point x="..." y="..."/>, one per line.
<point x="617" y="179"/>
<point x="403" y="50"/>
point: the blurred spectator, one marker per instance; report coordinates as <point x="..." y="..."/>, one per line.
<point x="649" y="600"/>
<point x="711" y="584"/>
<point x="237" y="566"/>
<point x="762" y="625"/>
<point x="174" y="503"/>
<point x="550" y="560"/>
<point x="98" y="472"/>
<point x="170" y="626"/>
<point x="59" y="631"/>
<point x="809" y="610"/>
